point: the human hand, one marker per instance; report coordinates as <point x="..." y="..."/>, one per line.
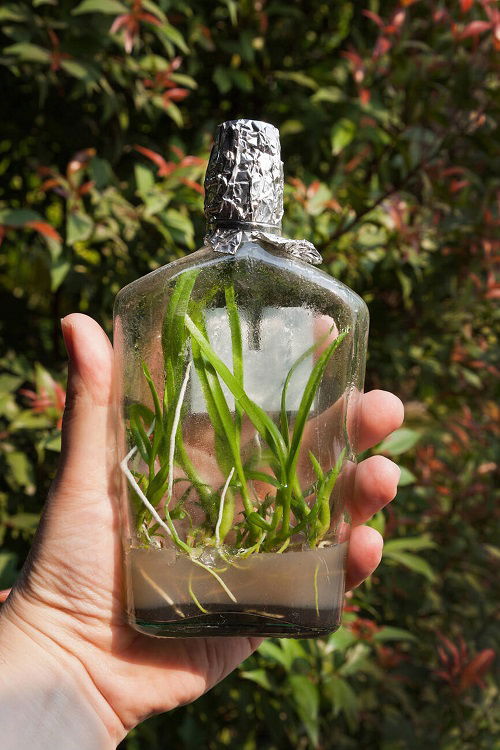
<point x="65" y="611"/>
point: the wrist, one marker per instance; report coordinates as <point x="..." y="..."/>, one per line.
<point x="47" y="699"/>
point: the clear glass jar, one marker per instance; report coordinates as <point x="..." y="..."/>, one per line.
<point x="239" y="383"/>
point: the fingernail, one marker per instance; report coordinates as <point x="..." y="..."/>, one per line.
<point x="67" y="336"/>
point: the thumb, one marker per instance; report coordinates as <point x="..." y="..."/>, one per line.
<point x="87" y="442"/>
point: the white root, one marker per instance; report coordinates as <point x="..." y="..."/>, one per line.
<point x="221" y="507"/>
<point x="173" y="435"/>
<point x="161" y="592"/>
<point x="124" y="467"/>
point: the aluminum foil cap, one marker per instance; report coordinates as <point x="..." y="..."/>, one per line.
<point x="244" y="190"/>
<point x="244" y="180"/>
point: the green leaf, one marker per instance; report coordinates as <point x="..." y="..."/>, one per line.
<point x="20" y="470"/>
<point x="25" y="521"/>
<point x="222" y="79"/>
<point x="18" y="217"/>
<point x="342" y="639"/>
<point x="413" y="562"/>
<point x="410" y="543"/>
<point x="344" y="699"/>
<point x="400" y="441"/>
<point x="261" y="476"/>
<point x="173" y="112"/>
<point x="28" y="52"/>
<point x="8" y="569"/>
<point x="100" y="172"/>
<point x="378" y="522"/>
<point x="59" y="269"/>
<point x="170" y="33"/>
<point x="27" y="420"/>
<point x="144" y="179"/>
<point x="111" y="7"/>
<point x="306" y="699"/>
<point x="256" y="520"/>
<point x="257" y="416"/>
<point x="273" y="652"/>
<point x="14" y="13"/>
<point x="258" y="676"/>
<point x="406" y="478"/>
<point x="297" y="77"/>
<point x="307" y="399"/>
<point x="53" y="444"/>
<point x="79" y="227"/>
<point x="80" y="70"/>
<point x="328" y="94"/>
<point x="388" y="633"/>
<point x="341" y="135"/>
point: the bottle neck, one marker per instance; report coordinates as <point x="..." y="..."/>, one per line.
<point x="243" y="226"/>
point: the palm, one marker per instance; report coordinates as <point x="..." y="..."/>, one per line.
<point x="75" y="570"/>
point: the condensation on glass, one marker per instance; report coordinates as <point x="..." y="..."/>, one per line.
<point x="239" y="374"/>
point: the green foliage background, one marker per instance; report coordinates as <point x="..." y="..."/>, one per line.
<point x="388" y="115"/>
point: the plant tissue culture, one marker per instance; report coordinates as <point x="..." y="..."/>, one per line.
<point x="240" y="369"/>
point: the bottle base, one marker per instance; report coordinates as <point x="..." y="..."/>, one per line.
<point x="278" y="623"/>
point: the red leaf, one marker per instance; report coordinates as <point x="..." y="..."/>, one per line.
<point x="177" y="151"/>
<point x="475" y="29"/>
<point x="382" y="46"/>
<point x="466" y="5"/>
<point x="457" y="185"/>
<point x="48" y="184"/>
<point x="150" y="18"/>
<point x="86" y="187"/>
<point x="164" y="168"/>
<point x="364" y="96"/>
<point x="46" y="229"/>
<point x="313" y="189"/>
<point x="175" y="95"/>
<point x="193" y="185"/>
<point x="119" y="22"/>
<point x="373" y="17"/>
<point x="192" y="161"/>
<point x="476" y="669"/>
<point x="452" y="170"/>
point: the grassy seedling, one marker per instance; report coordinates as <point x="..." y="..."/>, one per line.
<point x="287" y="514"/>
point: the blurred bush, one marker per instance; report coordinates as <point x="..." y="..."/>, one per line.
<point x="389" y="123"/>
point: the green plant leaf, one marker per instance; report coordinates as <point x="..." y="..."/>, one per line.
<point x="388" y="633"/>
<point x="20" y="471"/>
<point x="409" y="544"/>
<point x="111" y="7"/>
<point x="407" y="477"/>
<point x="343" y="699"/>
<point x="257" y="416"/>
<point x="79" y="227"/>
<point x="28" y="52"/>
<point x="306" y="700"/>
<point x="413" y="562"/>
<point x="8" y="569"/>
<point x="341" y="135"/>
<point x="307" y="399"/>
<point x="400" y="441"/>
<point x="259" y="676"/>
<point x="18" y="217"/>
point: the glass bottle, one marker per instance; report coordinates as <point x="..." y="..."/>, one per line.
<point x="239" y="369"/>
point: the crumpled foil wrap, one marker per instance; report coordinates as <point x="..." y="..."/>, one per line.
<point x="244" y="188"/>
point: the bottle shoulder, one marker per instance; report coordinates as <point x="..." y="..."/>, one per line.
<point x="162" y="275"/>
<point x="252" y="264"/>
